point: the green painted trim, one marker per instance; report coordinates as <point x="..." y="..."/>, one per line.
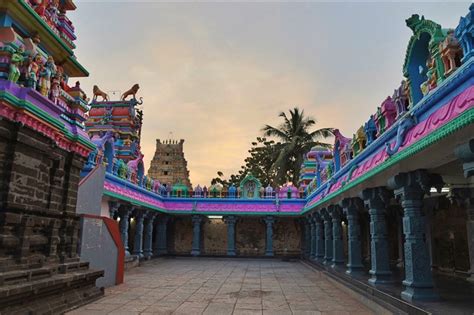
<point x="133" y="201"/>
<point x="54" y="35"/>
<point x="81" y="67"/>
<point x="45" y="25"/>
<point x="140" y="203"/>
<point x="457" y="123"/>
<point x="240" y="214"/>
<point x="33" y="109"/>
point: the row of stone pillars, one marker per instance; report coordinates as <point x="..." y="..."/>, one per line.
<point x="231" y="245"/>
<point x="149" y="225"/>
<point x="410" y="188"/>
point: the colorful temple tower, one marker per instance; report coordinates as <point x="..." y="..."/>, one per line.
<point x="43" y="147"/>
<point x="169" y="166"/>
<point x="308" y="169"/>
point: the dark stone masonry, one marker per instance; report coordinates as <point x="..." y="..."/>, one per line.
<point x="40" y="270"/>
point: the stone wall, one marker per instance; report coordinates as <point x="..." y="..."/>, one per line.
<point x="214" y="237"/>
<point x="183" y="235"/>
<point x="38" y="225"/>
<point x="250" y="237"/>
<point x="287" y="237"/>
<point x="449" y="237"/>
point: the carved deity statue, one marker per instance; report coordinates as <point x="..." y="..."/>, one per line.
<point x="32" y="71"/>
<point x="53" y="10"/>
<point x="431" y="74"/>
<point x="16" y="60"/>
<point x="55" y="89"/>
<point x="47" y="72"/>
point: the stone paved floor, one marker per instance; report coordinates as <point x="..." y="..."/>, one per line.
<point x="224" y="286"/>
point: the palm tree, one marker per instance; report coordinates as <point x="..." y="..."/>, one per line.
<point x="296" y="139"/>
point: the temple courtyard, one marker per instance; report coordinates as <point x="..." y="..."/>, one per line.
<point x="225" y="286"/>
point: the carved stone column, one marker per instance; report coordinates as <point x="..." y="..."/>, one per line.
<point x="307" y="237"/>
<point x="161" y="242"/>
<point x="465" y="152"/>
<point x="327" y="236"/>
<point x="269" y="220"/>
<point x="196" y="247"/>
<point x="147" y="246"/>
<point x="312" y="243"/>
<point x="376" y="199"/>
<point x="113" y="208"/>
<point x="230" y="221"/>
<point x="319" y="236"/>
<point x="410" y="188"/>
<point x="465" y="197"/>
<point x="337" y="245"/>
<point x="124" y="226"/>
<point x="138" y="240"/>
<point x="351" y="207"/>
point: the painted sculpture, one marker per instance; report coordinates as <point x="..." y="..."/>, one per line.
<point x="463" y="33"/>
<point x="401" y="98"/>
<point x="98" y="92"/>
<point x="342" y="150"/>
<point x="359" y="141"/>
<point x="16" y="61"/>
<point x="250" y="187"/>
<point x="451" y="53"/>
<point x="385" y="116"/>
<point x="370" y="130"/>
<point x="132" y="92"/>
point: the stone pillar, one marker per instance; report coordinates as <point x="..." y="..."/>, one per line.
<point x="307" y="237"/>
<point x="319" y="236"/>
<point x="147" y="246"/>
<point x="376" y="199"/>
<point x="351" y="208"/>
<point x="113" y="208"/>
<point x="138" y="240"/>
<point x="312" y="243"/>
<point x="269" y="220"/>
<point x="123" y="226"/>
<point x="230" y="221"/>
<point x="400" y="260"/>
<point x="410" y="188"/>
<point x="196" y="247"/>
<point x="465" y="197"/>
<point x="161" y="243"/>
<point x="337" y="244"/>
<point x="327" y="237"/>
<point x="466" y="153"/>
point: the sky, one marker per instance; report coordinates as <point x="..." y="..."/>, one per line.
<point x="214" y="73"/>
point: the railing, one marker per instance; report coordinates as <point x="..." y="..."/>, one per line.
<point x="120" y="169"/>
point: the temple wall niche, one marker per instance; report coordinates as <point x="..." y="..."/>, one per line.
<point x="183" y="236"/>
<point x="250" y="237"/>
<point x="449" y="238"/>
<point x="214" y="237"/>
<point x="286" y="237"/>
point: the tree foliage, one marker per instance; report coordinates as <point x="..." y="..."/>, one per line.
<point x="277" y="162"/>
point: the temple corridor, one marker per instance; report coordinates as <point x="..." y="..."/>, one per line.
<point x="225" y="286"/>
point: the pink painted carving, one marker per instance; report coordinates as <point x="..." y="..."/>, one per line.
<point x="443" y="115"/>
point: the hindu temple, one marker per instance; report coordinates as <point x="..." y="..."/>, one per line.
<point x="387" y="213"/>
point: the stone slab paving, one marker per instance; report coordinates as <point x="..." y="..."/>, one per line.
<point x="224" y="286"/>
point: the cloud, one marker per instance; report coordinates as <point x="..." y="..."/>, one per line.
<point x="215" y="73"/>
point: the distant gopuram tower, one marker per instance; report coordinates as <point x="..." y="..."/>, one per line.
<point x="169" y="165"/>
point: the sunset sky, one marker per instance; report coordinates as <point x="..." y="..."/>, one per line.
<point x="215" y="73"/>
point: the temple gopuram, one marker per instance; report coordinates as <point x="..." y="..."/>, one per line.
<point x="388" y="212"/>
<point x="168" y="165"/>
